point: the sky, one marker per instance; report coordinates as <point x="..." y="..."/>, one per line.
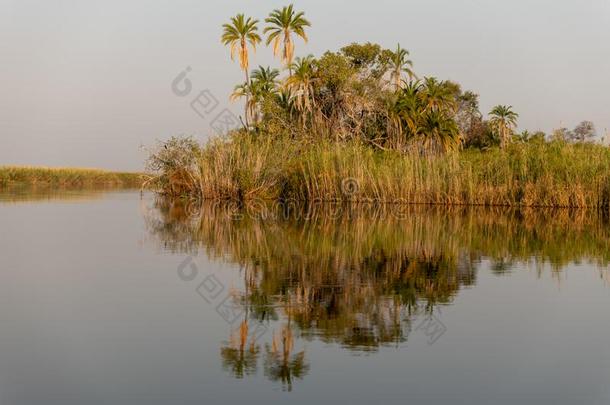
<point x="89" y="84"/>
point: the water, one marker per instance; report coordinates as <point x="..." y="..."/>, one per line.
<point x="114" y="297"/>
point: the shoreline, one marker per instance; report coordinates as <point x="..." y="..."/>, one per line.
<point x="39" y="176"/>
<point x="246" y="168"/>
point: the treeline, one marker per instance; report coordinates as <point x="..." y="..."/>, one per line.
<point x="363" y="91"/>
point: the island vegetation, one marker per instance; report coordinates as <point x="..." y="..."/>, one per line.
<point x="11" y="176"/>
<point x="360" y="124"/>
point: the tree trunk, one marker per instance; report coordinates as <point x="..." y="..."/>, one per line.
<point x="247" y="98"/>
<point x="287" y="52"/>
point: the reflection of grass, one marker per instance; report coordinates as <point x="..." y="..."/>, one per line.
<point x="358" y="277"/>
<point x="557" y="237"/>
<point x="362" y="276"/>
<point x="17" y="175"/>
<point x="329" y="275"/>
<point x="41" y="193"/>
<point x="347" y="233"/>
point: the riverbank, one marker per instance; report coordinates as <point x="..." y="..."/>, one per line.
<point x="66" y="177"/>
<point x="247" y="167"/>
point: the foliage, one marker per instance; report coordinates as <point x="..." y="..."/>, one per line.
<point x="584" y="131"/>
<point x="369" y="58"/>
<point x="282" y="23"/>
<point x="240" y="32"/>
<point x="362" y="112"/>
<point x="503" y="121"/>
<point x="399" y="64"/>
<point x="176" y="163"/>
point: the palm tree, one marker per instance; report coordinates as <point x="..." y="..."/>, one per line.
<point x="266" y="79"/>
<point x="282" y="24"/>
<point x="503" y="120"/>
<point x="301" y="84"/>
<point x="285" y="101"/>
<point x="409" y="104"/>
<point x="438" y="133"/>
<point x="399" y="64"/>
<point x="263" y="84"/>
<point x="421" y="114"/>
<point x="240" y="33"/>
<point x="436" y="96"/>
<point x="253" y="95"/>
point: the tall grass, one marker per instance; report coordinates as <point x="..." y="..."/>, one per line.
<point x="66" y="177"/>
<point x="554" y="174"/>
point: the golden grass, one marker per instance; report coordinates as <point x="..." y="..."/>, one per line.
<point x="246" y="167"/>
<point x="66" y="177"/>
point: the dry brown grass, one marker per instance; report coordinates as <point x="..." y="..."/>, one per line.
<point x="66" y="177"/>
<point x="245" y="167"/>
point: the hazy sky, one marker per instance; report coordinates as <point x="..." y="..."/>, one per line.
<point x="87" y="83"/>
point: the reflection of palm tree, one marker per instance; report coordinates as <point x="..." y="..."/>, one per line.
<point x="239" y="357"/>
<point x="280" y="364"/>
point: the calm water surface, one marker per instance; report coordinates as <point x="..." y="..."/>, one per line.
<point x="117" y="297"/>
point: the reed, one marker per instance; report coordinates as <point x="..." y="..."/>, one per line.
<point x="246" y="167"/>
<point x="66" y="177"/>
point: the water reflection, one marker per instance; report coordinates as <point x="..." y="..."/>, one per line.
<point x="362" y="276"/>
<point x="240" y="357"/>
<point x="281" y="364"/>
<point x="46" y="193"/>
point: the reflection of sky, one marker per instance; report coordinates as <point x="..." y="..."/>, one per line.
<point x="88" y="82"/>
<point x="92" y="313"/>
